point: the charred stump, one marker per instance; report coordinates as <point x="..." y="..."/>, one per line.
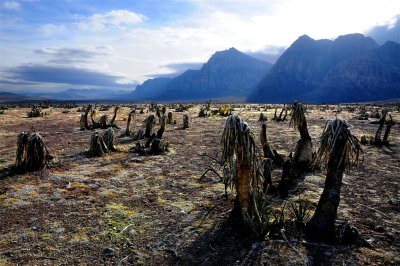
<point x="267" y="184"/>
<point x="148" y="124"/>
<point x="185" y="121"/>
<point x="22" y="142"/>
<point x="37" y="155"/>
<point x="98" y="146"/>
<point x="109" y="139"/>
<point x="339" y="149"/>
<point x="377" y="139"/>
<point x="389" y="125"/>
<point x="169" y="118"/>
<point x="131" y="115"/>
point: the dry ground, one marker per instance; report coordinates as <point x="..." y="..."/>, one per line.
<point x="154" y="210"/>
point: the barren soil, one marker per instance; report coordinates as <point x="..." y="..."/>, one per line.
<point x="154" y="210"/>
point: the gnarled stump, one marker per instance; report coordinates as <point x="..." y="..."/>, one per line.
<point x="36" y="153"/>
<point x="109" y="139"/>
<point x="169" y="118"/>
<point x="97" y="145"/>
<point x="185" y="121"/>
<point x="131" y="115"/>
<point x="22" y="142"/>
<point x="267" y="185"/>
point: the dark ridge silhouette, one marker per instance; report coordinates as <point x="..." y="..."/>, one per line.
<point x="351" y="68"/>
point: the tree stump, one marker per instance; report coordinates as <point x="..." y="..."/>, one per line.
<point x="103" y="121"/>
<point x="97" y="145"/>
<point x="109" y="139"/>
<point x="267" y="185"/>
<point x="169" y="118"/>
<point x="22" y="142"/>
<point x="36" y="153"/>
<point x="185" y="121"/>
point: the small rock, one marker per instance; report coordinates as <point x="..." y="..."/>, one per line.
<point x="108" y="252"/>
<point x="380" y="229"/>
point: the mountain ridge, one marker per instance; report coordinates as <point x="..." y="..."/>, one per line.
<point x="351" y="68"/>
<point x="227" y="73"/>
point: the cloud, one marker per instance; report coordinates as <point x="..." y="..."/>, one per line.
<point x="52" y="29"/>
<point x="120" y="19"/>
<point x="14" y="82"/>
<point x="151" y="36"/>
<point x="179" y="68"/>
<point x="389" y="31"/>
<point x="269" y="54"/>
<point x="11" y="5"/>
<point x="71" y="55"/>
<point x="64" y="75"/>
<point x="175" y="69"/>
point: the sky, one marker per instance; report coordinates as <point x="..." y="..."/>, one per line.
<point x="53" y="45"/>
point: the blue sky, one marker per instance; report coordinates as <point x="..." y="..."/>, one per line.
<point x="52" y="45"/>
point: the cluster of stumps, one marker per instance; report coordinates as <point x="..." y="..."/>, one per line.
<point x="250" y="173"/>
<point x="244" y="167"/>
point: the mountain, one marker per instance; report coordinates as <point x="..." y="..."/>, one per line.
<point x="151" y="88"/>
<point x="83" y="94"/>
<point x="228" y="73"/>
<point x="7" y="97"/>
<point x="351" y="68"/>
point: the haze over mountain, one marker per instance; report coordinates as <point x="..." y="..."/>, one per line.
<point x="351" y="68"/>
<point x="83" y="94"/>
<point x="7" y="97"/>
<point x="228" y="73"/>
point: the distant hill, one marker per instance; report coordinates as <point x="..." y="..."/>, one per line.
<point x="151" y="88"/>
<point x="83" y="94"/>
<point x="351" y="68"/>
<point x="228" y="73"/>
<point x="7" y="97"/>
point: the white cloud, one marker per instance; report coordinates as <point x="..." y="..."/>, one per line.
<point x="52" y="29"/>
<point x="11" y="5"/>
<point x="120" y="18"/>
<point x="141" y="51"/>
<point x="255" y="25"/>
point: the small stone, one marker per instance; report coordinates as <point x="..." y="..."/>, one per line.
<point x="380" y="229"/>
<point x="108" y="252"/>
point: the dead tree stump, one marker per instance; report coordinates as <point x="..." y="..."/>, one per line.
<point x="22" y="142"/>
<point x="160" y="132"/>
<point x="185" y="121"/>
<point x="109" y="139"/>
<point x="36" y="153"/>
<point x="377" y="139"/>
<point x="131" y="115"/>
<point x="389" y="125"/>
<point x="97" y="145"/>
<point x="169" y="118"/>
<point x="267" y="185"/>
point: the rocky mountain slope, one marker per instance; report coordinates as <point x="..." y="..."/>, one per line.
<point x="349" y="69"/>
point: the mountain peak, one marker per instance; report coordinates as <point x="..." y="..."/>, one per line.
<point x="305" y="37"/>
<point x="233" y="49"/>
<point x="304" y="42"/>
<point x="355" y="40"/>
<point x="228" y="52"/>
<point x="316" y="70"/>
<point x="229" y="56"/>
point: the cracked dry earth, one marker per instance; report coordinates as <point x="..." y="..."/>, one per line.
<point x="126" y="209"/>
